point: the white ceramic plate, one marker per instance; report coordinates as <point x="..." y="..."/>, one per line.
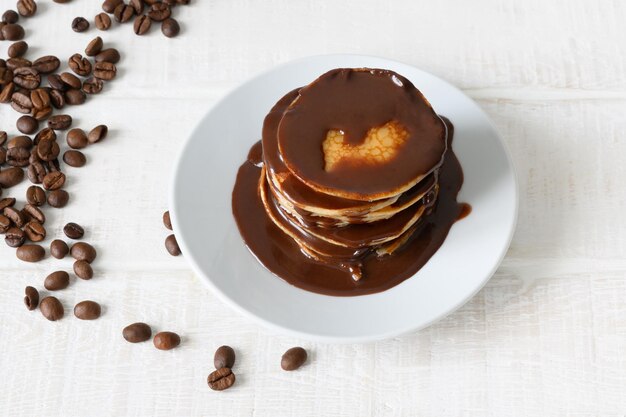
<point x="209" y="239"/>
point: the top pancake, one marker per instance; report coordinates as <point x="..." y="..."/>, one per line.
<point x="361" y="134"/>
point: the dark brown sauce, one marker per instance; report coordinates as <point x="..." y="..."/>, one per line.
<point x="282" y="256"/>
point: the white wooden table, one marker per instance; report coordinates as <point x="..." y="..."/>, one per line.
<point x="546" y="336"/>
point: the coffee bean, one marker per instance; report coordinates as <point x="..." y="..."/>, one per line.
<point x="57" y="99"/>
<point x="51" y="308"/>
<point x="12" y="32"/>
<point x="92" y="86"/>
<point x="80" y="24"/>
<point x="75" y="96"/>
<point x="123" y="13"/>
<point x="35" y="196"/>
<point x="53" y="180"/>
<point x="224" y="357"/>
<point x="41" y="114"/>
<point x="3" y="137"/>
<point x="30" y="253"/>
<point x="76" y="138"/>
<point x="97" y="133"/>
<point x="47" y="150"/>
<point x="159" y="12"/>
<point x="104" y="70"/>
<point x="73" y="231"/>
<point x="56" y="281"/>
<point x="45" y="134"/>
<point x="32" y="212"/>
<point x="14" y="237"/>
<point x="109" y="55"/>
<point x="6" y="74"/>
<point x="10" y="16"/>
<point x="94" y="46"/>
<point x="74" y="159"/>
<point x="18" y="157"/>
<point x="58" y="198"/>
<point x="55" y="81"/>
<point x="87" y="310"/>
<point x="47" y="64"/>
<point x="83" y="270"/>
<point x="34" y="231"/>
<point x="170" y="27"/>
<point x="5" y="223"/>
<point x="166" y="340"/>
<point x="26" y="77"/>
<point x="15" y="216"/>
<point x="11" y="176"/>
<point x="172" y="245"/>
<point x="26" y="8"/>
<point x="167" y="222"/>
<point x="15" y="63"/>
<point x="221" y="379"/>
<point x="6" y="92"/>
<point x="7" y="202"/>
<point x="80" y="65"/>
<point x="17" y="49"/>
<point x="103" y="21"/>
<point x="293" y="359"/>
<point x="142" y="24"/>
<point x="36" y="172"/>
<point x="31" y="298"/>
<point x="70" y="80"/>
<point x="137" y="332"/>
<point x="27" y="124"/>
<point x="52" y="166"/>
<point x="137" y="6"/>
<point x="59" y="249"/>
<point x="60" y="122"/>
<point x="21" y="141"/>
<point x="3" y="159"/>
<point x="110" y="5"/>
<point x="21" y="102"/>
<point x="82" y="251"/>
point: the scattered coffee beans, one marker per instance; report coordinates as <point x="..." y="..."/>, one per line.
<point x="83" y="270"/>
<point x="293" y="359"/>
<point x="30" y="253"/>
<point x="31" y="298"/>
<point x="74" y="158"/>
<point x="73" y="231"/>
<point x="137" y="332"/>
<point x="58" y="198"/>
<point x="51" y="308"/>
<point x="82" y="251"/>
<point x="172" y="245"/>
<point x="58" y="280"/>
<point x="167" y="222"/>
<point x="166" y="340"/>
<point x="224" y="357"/>
<point x="80" y="24"/>
<point x="87" y="310"/>
<point x="221" y="379"/>
<point x="59" y="250"/>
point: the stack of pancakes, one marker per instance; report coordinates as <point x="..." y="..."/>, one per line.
<point x="350" y="165"/>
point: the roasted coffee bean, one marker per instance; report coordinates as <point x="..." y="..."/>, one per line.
<point x="74" y="159"/>
<point x="76" y="138"/>
<point x="41" y="114"/>
<point x="30" y="253"/>
<point x="60" y="122"/>
<point x="16" y="216"/>
<point x="110" y="5"/>
<point x="80" y="24"/>
<point x="46" y="64"/>
<point x="142" y="24"/>
<point x="11" y="176"/>
<point x="31" y="298"/>
<point x="170" y="27"/>
<point x="32" y="212"/>
<point x="10" y="16"/>
<point x="224" y="357"/>
<point x="123" y="13"/>
<point x="36" y="172"/>
<point x="5" y="223"/>
<point x="45" y="134"/>
<point x="17" y="49"/>
<point x="56" y="281"/>
<point x="15" y="63"/>
<point x="92" y="86"/>
<point x="293" y="359"/>
<point x="166" y="340"/>
<point x="27" y="124"/>
<point x="82" y="251"/>
<point x="21" y="141"/>
<point x="21" y="102"/>
<point x="70" y="80"/>
<point x="83" y="270"/>
<point x="57" y="99"/>
<point x="58" y="198"/>
<point x="103" y="21"/>
<point x="80" y="65"/>
<point x="159" y="12"/>
<point x="14" y="237"/>
<point x="34" y="231"/>
<point x="137" y="6"/>
<point x="74" y="231"/>
<point x="97" y="133"/>
<point x="18" y="157"/>
<point x="6" y="74"/>
<point x="35" y="196"/>
<point x="26" y="8"/>
<point x="53" y="165"/>
<point x="167" y="222"/>
<point x="26" y="77"/>
<point x="12" y="32"/>
<point x="6" y="92"/>
<point x="51" y="308"/>
<point x="94" y="46"/>
<point x="59" y="249"/>
<point x="87" y="310"/>
<point x="172" y="245"/>
<point x="109" y="55"/>
<point x="55" y="81"/>
<point x="75" y="96"/>
<point x="137" y="332"/>
<point x="221" y="379"/>
<point x="3" y="159"/>
<point x="48" y="150"/>
<point x="53" y="180"/>
<point x="104" y="70"/>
